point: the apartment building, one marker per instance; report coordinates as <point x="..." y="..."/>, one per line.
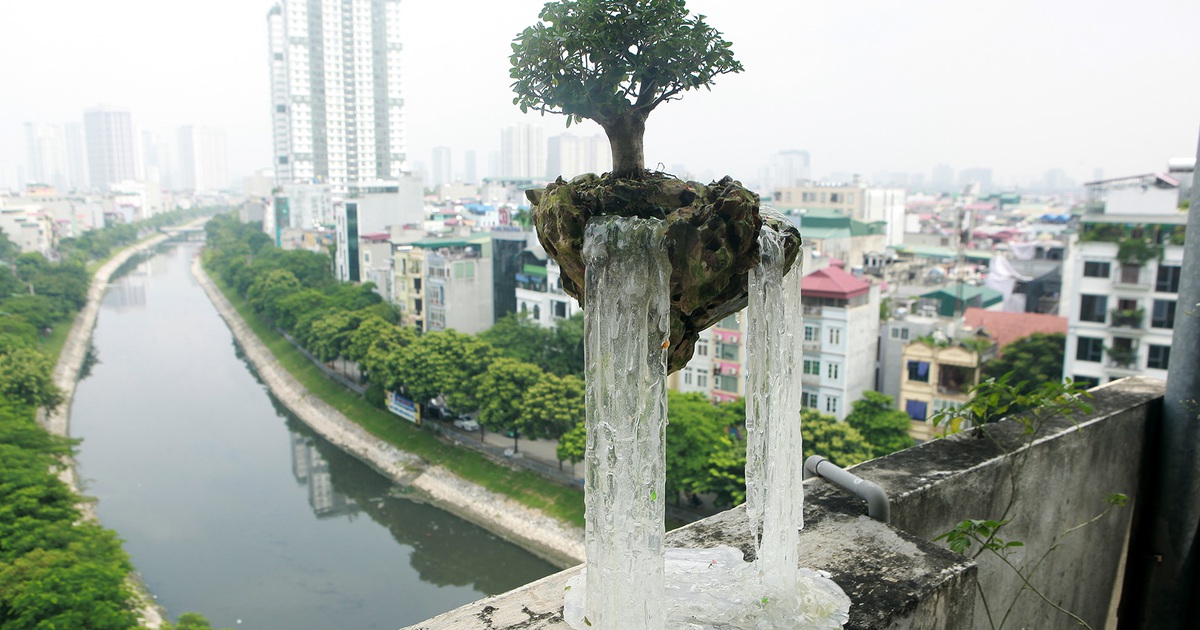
<point x="937" y="374"/>
<point x="458" y="287"/>
<point x="540" y="294"/>
<point x="1121" y="277"/>
<point x="841" y="324"/>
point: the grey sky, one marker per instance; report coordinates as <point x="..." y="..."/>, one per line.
<point x="1018" y="85"/>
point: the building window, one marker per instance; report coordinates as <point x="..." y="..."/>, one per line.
<point x="831" y="405"/>
<point x="1095" y="269"/>
<point x="918" y="371"/>
<point x="835" y="336"/>
<point x="702" y="349"/>
<point x="537" y="312"/>
<point x="1130" y="274"/>
<point x="810" y="333"/>
<point x="725" y="383"/>
<point x="808" y="399"/>
<point x="812" y="367"/>
<point x="687" y="376"/>
<point x="833" y="371"/>
<point x="835" y="197"/>
<point x="560" y="309"/>
<point x="1089" y="349"/>
<point x="895" y="333"/>
<point x="1160" y="356"/>
<point x="904" y="333"/>
<point x="701" y="380"/>
<point x="1168" y="279"/>
<point x="1092" y="308"/>
<point x="283" y="159"/>
<point x="1163" y="315"/>
<point x="916" y="409"/>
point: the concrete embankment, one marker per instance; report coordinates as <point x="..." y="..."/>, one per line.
<point x="537" y="532"/>
<point x="66" y="376"/>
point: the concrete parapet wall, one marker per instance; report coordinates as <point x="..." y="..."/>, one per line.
<point x="896" y="577"/>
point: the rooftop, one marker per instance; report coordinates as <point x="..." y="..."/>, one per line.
<point x="1006" y="328"/>
<point x="832" y="282"/>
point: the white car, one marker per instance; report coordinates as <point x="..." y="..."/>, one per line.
<point x="466" y="424"/>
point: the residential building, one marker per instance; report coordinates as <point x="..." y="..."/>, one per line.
<point x="784" y="170"/>
<point x="408" y="265"/>
<point x="46" y="150"/>
<point x="540" y="295"/>
<point x="1121" y="277"/>
<point x="900" y="329"/>
<point x="856" y="200"/>
<point x="522" y="152"/>
<point x="442" y="167"/>
<point x="568" y="156"/>
<point x="373" y="208"/>
<point x="28" y="226"/>
<point x="336" y="99"/>
<point x="377" y="264"/>
<point x="953" y="299"/>
<point x="839" y="236"/>
<point x="728" y="379"/>
<point x="111" y="153"/>
<point x="841" y="320"/>
<point x="202" y="159"/>
<point x="937" y="374"/>
<point x="511" y="247"/>
<point x="1005" y="328"/>
<point x="458" y="287"/>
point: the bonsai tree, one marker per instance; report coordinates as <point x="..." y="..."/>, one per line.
<point x="615" y="61"/>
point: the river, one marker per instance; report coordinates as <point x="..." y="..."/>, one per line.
<point x="231" y="507"/>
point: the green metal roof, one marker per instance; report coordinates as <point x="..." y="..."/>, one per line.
<point x="534" y="270"/>
<point x="971" y="295"/>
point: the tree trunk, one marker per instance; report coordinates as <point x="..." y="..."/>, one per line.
<point x="625" y="138"/>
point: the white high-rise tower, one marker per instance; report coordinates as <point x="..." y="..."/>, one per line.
<point x="337" y="111"/>
<point x="202" y="163"/>
<point x="112" y="156"/>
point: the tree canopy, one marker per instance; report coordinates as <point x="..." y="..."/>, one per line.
<point x="838" y="442"/>
<point x="614" y="61"/>
<point x="882" y="425"/>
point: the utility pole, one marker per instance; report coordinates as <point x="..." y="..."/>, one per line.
<point x="1171" y="592"/>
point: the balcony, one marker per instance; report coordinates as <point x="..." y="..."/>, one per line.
<point x="811" y="311"/>
<point x="1128" y="318"/>
<point x="1122" y="358"/>
<point x="812" y="346"/>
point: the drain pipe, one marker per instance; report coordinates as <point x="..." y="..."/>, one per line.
<point x="878" y="507"/>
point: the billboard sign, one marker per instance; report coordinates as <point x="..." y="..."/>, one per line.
<point x="403" y="407"/>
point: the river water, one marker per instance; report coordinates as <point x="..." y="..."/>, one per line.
<point x="231" y="507"/>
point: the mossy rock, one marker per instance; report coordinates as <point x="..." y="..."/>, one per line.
<point x="711" y="235"/>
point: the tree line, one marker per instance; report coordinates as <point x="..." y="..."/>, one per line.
<point x="57" y="569"/>
<point x="517" y="377"/>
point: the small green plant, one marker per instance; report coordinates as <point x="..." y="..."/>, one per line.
<point x="992" y="400"/>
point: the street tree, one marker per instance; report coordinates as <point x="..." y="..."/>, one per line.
<point x="551" y="407"/>
<point x="500" y="390"/>
<point x="1034" y="360"/>
<point x="885" y="427"/>
<point x="266" y="291"/>
<point x="836" y="441"/>
<point x="614" y="62"/>
<point x="695" y="430"/>
<point x="573" y="445"/>
<point x="517" y="336"/>
<point x="25" y="376"/>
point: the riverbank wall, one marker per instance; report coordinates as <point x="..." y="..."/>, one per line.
<point x="542" y="535"/>
<point x="66" y="377"/>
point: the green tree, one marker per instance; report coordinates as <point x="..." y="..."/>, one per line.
<point x="500" y="390"/>
<point x="695" y="431"/>
<point x="291" y="308"/>
<point x="517" y="336"/>
<point x="444" y="363"/>
<point x="190" y="621"/>
<point x="726" y="472"/>
<point x="614" y="61"/>
<point x="565" y="355"/>
<point x="269" y="289"/>
<point x="25" y="376"/>
<point x="1033" y="360"/>
<point x="879" y="421"/>
<point x="838" y="442"/>
<point x="573" y="444"/>
<point x="551" y="407"/>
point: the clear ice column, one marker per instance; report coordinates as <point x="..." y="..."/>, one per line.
<point x="774" y="460"/>
<point x="626" y="328"/>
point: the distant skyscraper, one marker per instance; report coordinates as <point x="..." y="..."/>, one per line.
<point x="784" y="170"/>
<point x="569" y="156"/>
<point x="337" y="108"/>
<point x="112" y="157"/>
<point x="981" y="176"/>
<point x="522" y="152"/>
<point x="442" y="171"/>
<point x="470" y="171"/>
<point x="77" y="164"/>
<point x="202" y="159"/>
<point x="46" y="150"/>
<point x="943" y="178"/>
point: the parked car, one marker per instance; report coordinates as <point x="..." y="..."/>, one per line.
<point x="466" y="423"/>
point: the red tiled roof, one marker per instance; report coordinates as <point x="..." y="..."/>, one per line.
<point x="832" y="282"/>
<point x="1006" y="328"/>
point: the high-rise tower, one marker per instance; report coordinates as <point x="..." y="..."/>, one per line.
<point x="337" y="111"/>
<point x="110" y="148"/>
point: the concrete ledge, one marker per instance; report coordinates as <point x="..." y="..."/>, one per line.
<point x="895" y="577"/>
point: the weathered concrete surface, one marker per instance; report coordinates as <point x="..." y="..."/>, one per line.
<point x="1069" y="472"/>
<point x="541" y="534"/>
<point x="895" y="577"/>
<point x="66" y="376"/>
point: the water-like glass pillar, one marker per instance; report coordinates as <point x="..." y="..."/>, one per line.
<point x="774" y="461"/>
<point x="626" y="328"/>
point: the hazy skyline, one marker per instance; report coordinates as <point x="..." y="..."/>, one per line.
<point x="1021" y="86"/>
